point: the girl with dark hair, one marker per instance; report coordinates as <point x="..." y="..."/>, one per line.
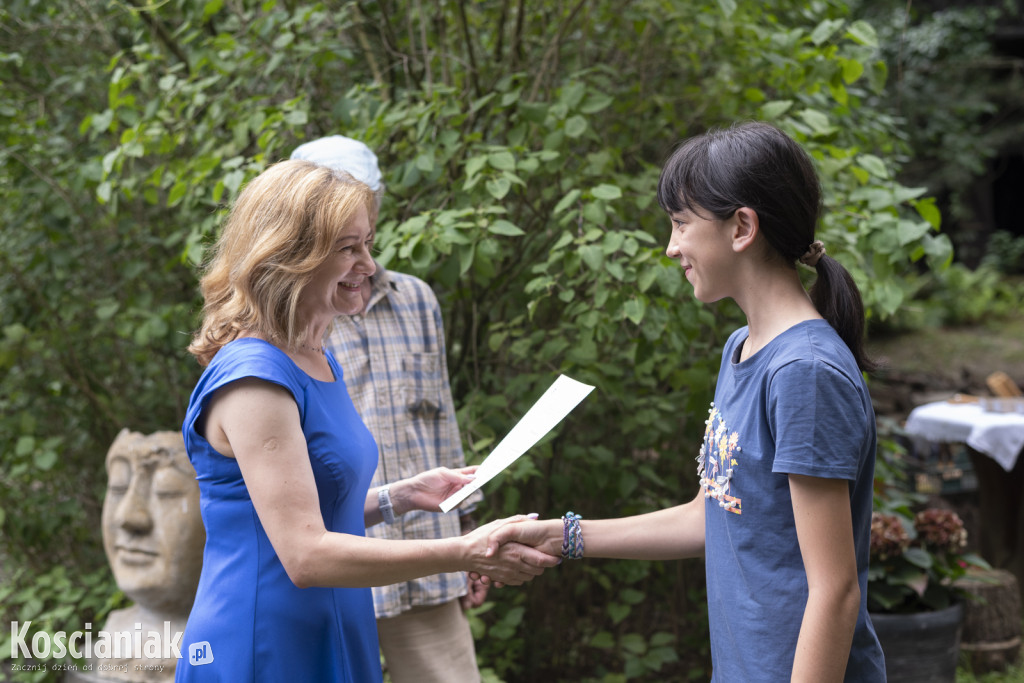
<point x="783" y="513"/>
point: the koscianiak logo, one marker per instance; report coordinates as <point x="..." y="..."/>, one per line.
<point x="99" y="645"/>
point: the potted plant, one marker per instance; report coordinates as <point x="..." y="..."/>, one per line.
<point x="917" y="555"/>
<point x="915" y="561"/>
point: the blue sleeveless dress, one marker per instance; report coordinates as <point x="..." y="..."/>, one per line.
<point x="249" y="621"/>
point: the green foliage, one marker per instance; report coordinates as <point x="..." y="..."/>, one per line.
<point x="956" y="296"/>
<point x="1005" y="253"/>
<point x="55" y="601"/>
<point x="521" y="148"/>
<point x="952" y="130"/>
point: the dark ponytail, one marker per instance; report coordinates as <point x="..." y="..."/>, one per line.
<point x="756" y="165"/>
<point x="835" y="295"/>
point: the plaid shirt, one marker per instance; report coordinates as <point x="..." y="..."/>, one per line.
<point x="393" y="357"/>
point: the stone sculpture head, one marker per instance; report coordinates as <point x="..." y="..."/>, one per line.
<point x="152" y="529"/>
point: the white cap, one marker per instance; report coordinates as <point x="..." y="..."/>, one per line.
<point x="343" y="154"/>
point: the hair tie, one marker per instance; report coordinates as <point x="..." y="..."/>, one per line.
<point x="814" y="254"/>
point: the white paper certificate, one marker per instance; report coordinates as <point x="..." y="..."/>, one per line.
<point x="560" y="398"/>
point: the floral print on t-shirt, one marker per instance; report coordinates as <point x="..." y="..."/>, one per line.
<point x="716" y="463"/>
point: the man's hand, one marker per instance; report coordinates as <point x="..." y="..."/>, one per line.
<point x="427" y="490"/>
<point x="476" y="593"/>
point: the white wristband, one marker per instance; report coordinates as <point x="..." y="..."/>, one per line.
<point x="384" y="501"/>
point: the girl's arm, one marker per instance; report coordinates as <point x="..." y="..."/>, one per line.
<point x="257" y="423"/>
<point x="821" y="509"/>
<point x="669" y="534"/>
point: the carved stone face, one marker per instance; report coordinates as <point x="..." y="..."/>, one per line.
<point x="152" y="529"/>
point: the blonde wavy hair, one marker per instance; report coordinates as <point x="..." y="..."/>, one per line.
<point x="284" y="224"/>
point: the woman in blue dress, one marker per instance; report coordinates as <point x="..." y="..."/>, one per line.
<point x="282" y="458"/>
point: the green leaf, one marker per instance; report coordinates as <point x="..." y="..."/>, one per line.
<point x="575" y="126"/>
<point x="425" y="162"/>
<point x="503" y="161"/>
<point x="593" y="256"/>
<point x="474" y="164"/>
<point x="603" y="640"/>
<point x="661" y="639"/>
<point x="107" y="310"/>
<point x="562" y="242"/>
<point x="873" y="165"/>
<point x="863" y="33"/>
<point x="888" y="296"/>
<point x="296" y="117"/>
<point x="607" y="192"/>
<point x="727" y="7"/>
<point x="25" y="445"/>
<point x="818" y="121"/>
<point x="825" y="30"/>
<point x="103" y="192"/>
<point x="635" y="309"/>
<point x="496" y="340"/>
<point x="646" y="278"/>
<point x="233" y="180"/>
<point x="504" y="227"/>
<point x="617" y="611"/>
<point x="911" y="231"/>
<point x="633" y="642"/>
<point x="852" y="70"/>
<point x="596" y="102"/>
<point x="466" y="254"/>
<point x="775" y="109"/>
<point x="566" y="201"/>
<point x="919" y="557"/>
<point x="535" y="113"/>
<point x="45" y="459"/>
<point x="177" y="193"/>
<point x="612" y="241"/>
<point x="754" y="95"/>
<point x="498" y="187"/>
<point x="211" y="8"/>
<point x="927" y="210"/>
<point x="878" y="75"/>
<point x="423" y="254"/>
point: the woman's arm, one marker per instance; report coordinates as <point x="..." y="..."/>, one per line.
<point x="670" y="534"/>
<point x="821" y="509"/>
<point x="257" y="423"/>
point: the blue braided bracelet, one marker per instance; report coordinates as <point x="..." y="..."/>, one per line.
<point x="572" y="537"/>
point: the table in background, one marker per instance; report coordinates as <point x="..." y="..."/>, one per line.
<point x="994" y="441"/>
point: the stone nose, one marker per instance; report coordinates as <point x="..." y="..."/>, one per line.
<point x="133" y="511"/>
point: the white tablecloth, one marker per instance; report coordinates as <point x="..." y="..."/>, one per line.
<point x="998" y="435"/>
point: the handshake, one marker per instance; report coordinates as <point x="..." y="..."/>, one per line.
<point x="513" y="551"/>
<point x="508" y="551"/>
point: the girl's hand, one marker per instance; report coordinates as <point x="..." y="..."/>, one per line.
<point x="510" y="564"/>
<point x="545" y="536"/>
<point x="427" y="490"/>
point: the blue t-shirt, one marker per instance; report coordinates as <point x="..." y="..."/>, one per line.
<point x="797" y="406"/>
<point x="249" y="622"/>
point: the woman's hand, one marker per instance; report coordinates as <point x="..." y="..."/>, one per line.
<point x="427" y="490"/>
<point x="545" y="536"/>
<point x="511" y="563"/>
